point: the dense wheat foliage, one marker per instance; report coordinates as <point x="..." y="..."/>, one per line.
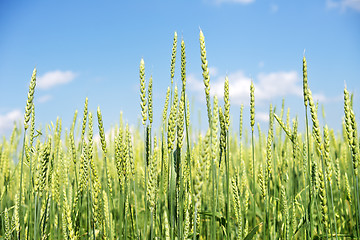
<point x="174" y="183"/>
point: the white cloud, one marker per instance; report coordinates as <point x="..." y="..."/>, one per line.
<point x="239" y="87"/>
<point x="213" y="71"/>
<point x="234" y="1"/>
<point x="274" y="8"/>
<point x="111" y="134"/>
<point x="277" y="84"/>
<point x="45" y="98"/>
<point x="355" y="4"/>
<point x="7" y="120"/>
<point x="267" y="86"/>
<point x="261" y="64"/>
<point x="344" y="4"/>
<point x="331" y="4"/>
<point x="53" y="78"/>
<point x="320" y="97"/>
<point x="194" y="84"/>
<point x="262" y="117"/>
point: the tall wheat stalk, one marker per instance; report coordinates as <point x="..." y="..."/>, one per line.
<point x="28" y="108"/>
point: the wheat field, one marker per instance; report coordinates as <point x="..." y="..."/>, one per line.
<point x="174" y="183"/>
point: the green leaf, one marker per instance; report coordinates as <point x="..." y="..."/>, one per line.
<point x="218" y="216"/>
<point x="253" y="232"/>
<point x="300" y="225"/>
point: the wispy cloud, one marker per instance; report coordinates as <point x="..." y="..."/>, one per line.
<point x="54" y="78"/>
<point x="278" y="84"/>
<point x="344" y="4"/>
<point x="268" y="86"/>
<point x="262" y="116"/>
<point x="45" y="98"/>
<point x="234" y="1"/>
<point x="320" y="97"/>
<point x="274" y="8"/>
<point x="213" y="71"/>
<point x="111" y="133"/>
<point x="261" y="64"/>
<point x="7" y="120"/>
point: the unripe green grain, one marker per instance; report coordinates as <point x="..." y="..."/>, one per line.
<point x="315" y="120"/>
<point x="222" y="133"/>
<point x="355" y="143"/>
<point x="173" y="58"/>
<point x="187" y="113"/>
<point x="187" y="221"/>
<point x="101" y="131"/>
<point x="42" y="168"/>
<point x="284" y="209"/>
<point x="241" y="120"/>
<point x="13" y="142"/>
<point x="166" y="165"/>
<point x="107" y="213"/>
<point x="183" y="65"/>
<point x="269" y="144"/>
<point x="130" y="151"/>
<point x="72" y="148"/>
<point x="305" y="81"/>
<point x="262" y="183"/>
<point x="288" y="118"/>
<point x="347" y="116"/>
<point x="5" y="164"/>
<point x="252" y="106"/>
<point x="323" y="202"/>
<point x="347" y="188"/>
<point x="237" y="206"/>
<point x="214" y="128"/>
<point x="200" y="166"/>
<point x="166" y="106"/>
<point x="55" y="187"/>
<point x="143" y="100"/>
<point x="172" y="122"/>
<point x="84" y="168"/>
<point x="181" y="115"/>
<point x="226" y="103"/>
<point x="32" y="125"/>
<point x="180" y="120"/>
<point x="97" y="202"/>
<point x="150" y="102"/>
<point x="67" y="214"/>
<point x="152" y="180"/>
<point x="327" y="161"/>
<point x="45" y="212"/>
<point x="314" y="177"/>
<point x="84" y="119"/>
<point x="8" y="230"/>
<point x="29" y="102"/>
<point x="125" y="162"/>
<point x="206" y="75"/>
<point x="64" y="225"/>
<point x="283" y="196"/>
<point x="120" y="157"/>
<point x="337" y="172"/>
<point x="166" y="226"/>
<point x="27" y="153"/>
<point x="74" y="121"/>
<point x="16" y="214"/>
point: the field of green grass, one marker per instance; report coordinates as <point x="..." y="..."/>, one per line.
<point x="62" y="183"/>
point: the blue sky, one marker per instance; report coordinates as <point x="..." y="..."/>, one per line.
<point x="91" y="49"/>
